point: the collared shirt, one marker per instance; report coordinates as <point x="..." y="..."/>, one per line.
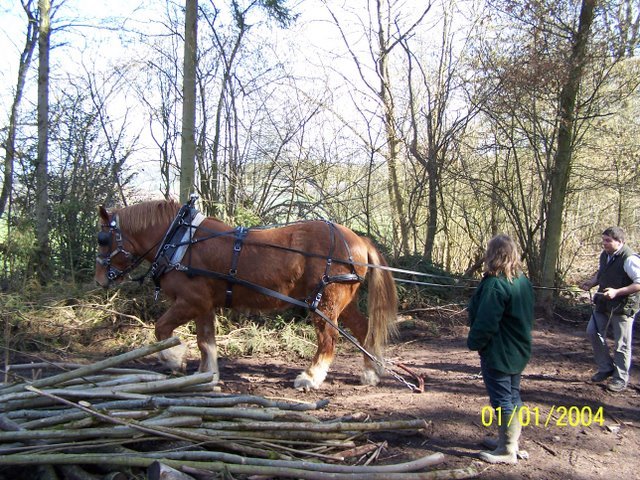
<point x="631" y="265"/>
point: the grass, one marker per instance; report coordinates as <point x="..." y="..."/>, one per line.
<point x="68" y="321"/>
<point x="79" y="321"/>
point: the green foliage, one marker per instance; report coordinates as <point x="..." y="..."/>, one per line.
<point x="246" y="217"/>
<point x="17" y="247"/>
<point x="84" y="171"/>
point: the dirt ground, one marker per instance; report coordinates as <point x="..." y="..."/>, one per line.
<point x="590" y="434"/>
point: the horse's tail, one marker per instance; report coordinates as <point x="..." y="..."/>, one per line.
<point x="382" y="302"/>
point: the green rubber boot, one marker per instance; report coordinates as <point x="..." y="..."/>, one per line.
<point x="507" y="446"/>
<point x="492" y="443"/>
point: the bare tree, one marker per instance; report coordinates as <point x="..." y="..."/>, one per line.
<point x="385" y="34"/>
<point x="561" y="167"/>
<point x="225" y="72"/>
<point x="23" y="67"/>
<point x="187" y="159"/>
<point x="102" y="90"/>
<point x="42" y="205"/>
<point x="435" y="124"/>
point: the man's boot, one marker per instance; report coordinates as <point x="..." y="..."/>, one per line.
<point x="507" y="446"/>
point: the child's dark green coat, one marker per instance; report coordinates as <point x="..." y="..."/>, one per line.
<point x="501" y="319"/>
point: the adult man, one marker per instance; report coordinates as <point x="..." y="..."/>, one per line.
<point x="615" y="304"/>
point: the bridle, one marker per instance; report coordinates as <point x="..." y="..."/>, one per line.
<point x="105" y="239"/>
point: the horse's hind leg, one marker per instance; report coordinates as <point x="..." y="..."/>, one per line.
<point x="359" y="326"/>
<point x="206" y="333"/>
<point x="313" y="376"/>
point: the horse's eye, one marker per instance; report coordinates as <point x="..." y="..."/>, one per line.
<point x="104" y="239"/>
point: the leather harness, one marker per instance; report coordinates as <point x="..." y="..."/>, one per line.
<point x="181" y="233"/>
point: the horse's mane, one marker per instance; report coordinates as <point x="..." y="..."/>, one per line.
<point x="139" y="217"/>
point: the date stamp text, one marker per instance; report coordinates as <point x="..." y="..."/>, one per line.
<point x="556" y="416"/>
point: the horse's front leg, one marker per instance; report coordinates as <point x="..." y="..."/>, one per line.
<point x="178" y="314"/>
<point x="206" y="334"/>
<point x="313" y="376"/>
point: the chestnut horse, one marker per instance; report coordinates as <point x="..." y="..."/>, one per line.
<point x="263" y="269"/>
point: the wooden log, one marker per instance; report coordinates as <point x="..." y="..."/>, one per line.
<point x="291" y="435"/>
<point x="160" y="471"/>
<point x="129" y="390"/>
<point x="172" y="433"/>
<point x="358" y="451"/>
<point x="98" y="366"/>
<point x="230" y="400"/>
<point x="214" y="468"/>
<point x="265" y="415"/>
<point x="251" y="435"/>
<point x="313" y="427"/>
<point x="95" y="381"/>
<point x="47" y="472"/>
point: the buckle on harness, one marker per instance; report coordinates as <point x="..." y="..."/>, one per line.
<point x="316" y="301"/>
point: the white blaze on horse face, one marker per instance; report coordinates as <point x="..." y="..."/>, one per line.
<point x="313" y="376"/>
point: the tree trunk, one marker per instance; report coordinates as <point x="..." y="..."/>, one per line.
<point x="10" y="146"/>
<point x="393" y="142"/>
<point x="188" y="149"/>
<point x="561" y="171"/>
<point x="42" y="201"/>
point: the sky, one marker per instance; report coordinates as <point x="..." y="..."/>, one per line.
<point x="84" y="42"/>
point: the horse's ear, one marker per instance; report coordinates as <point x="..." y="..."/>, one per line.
<point x="103" y="213"/>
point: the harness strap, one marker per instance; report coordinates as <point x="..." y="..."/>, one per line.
<point x="174" y="241"/>
<point x="240" y="234"/>
<point x="327" y="279"/>
<point x="189" y="270"/>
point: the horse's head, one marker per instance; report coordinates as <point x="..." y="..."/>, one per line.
<point x="114" y="261"/>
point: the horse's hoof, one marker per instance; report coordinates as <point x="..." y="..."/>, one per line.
<point x="369" y="377"/>
<point x="174" y="358"/>
<point x="304" y="383"/>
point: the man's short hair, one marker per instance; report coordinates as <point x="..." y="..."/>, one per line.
<point x="616" y="233"/>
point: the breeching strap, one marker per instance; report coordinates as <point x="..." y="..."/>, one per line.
<point x="189" y="270"/>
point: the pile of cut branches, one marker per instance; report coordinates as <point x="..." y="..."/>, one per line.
<point x="100" y="421"/>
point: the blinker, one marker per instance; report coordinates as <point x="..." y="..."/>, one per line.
<point x="104" y="239"/>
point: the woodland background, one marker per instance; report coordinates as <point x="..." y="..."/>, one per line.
<point x="429" y="126"/>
